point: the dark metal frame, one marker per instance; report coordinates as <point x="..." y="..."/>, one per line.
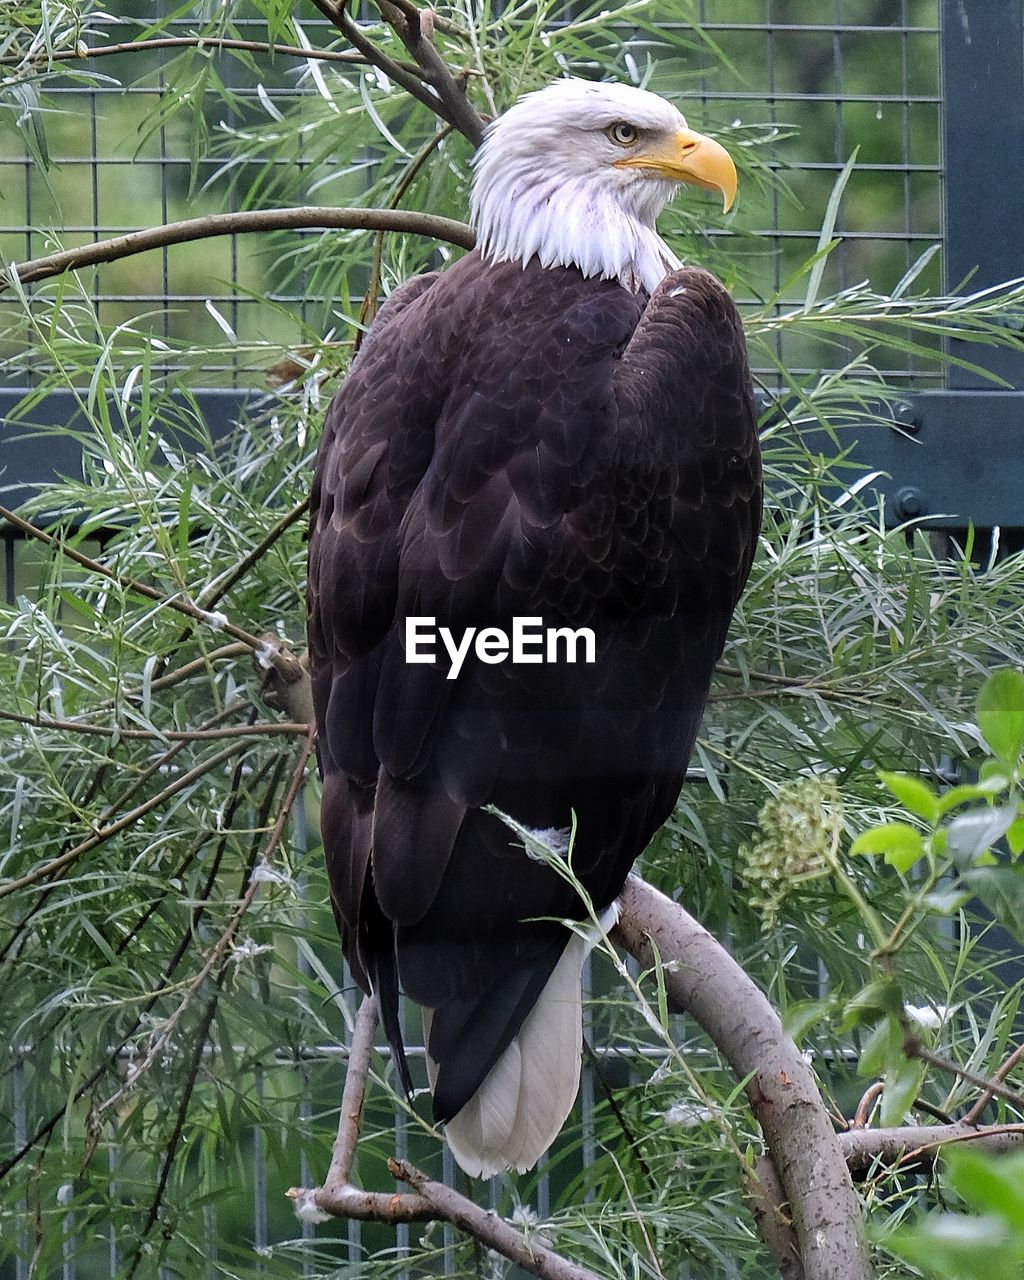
<point x="956" y="455"/>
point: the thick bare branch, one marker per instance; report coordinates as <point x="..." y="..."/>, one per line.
<point x="916" y="1146"/>
<point x="771" y="1214"/>
<point x="803" y="1145"/>
<point x="303" y="217"/>
<point x="289" y="688"/>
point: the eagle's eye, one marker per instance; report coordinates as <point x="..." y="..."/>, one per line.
<point x="624" y="135"/>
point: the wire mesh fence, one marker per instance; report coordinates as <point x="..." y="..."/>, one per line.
<point x="866" y="80"/>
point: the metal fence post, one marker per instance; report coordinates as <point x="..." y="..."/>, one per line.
<point x="982" y="67"/>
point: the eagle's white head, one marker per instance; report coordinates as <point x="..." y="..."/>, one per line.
<point x="577" y="174"/>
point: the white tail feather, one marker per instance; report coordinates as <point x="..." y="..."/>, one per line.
<point x="527" y="1095"/>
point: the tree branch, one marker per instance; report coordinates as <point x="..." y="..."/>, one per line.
<point x="265" y="729"/>
<point x="974" y="1114"/>
<point x="215" y="592"/>
<point x="808" y="1177"/>
<point x="222" y="224"/>
<point x="432" y="1201"/>
<point x="774" y="1222"/>
<point x="102" y="834"/>
<point x="193" y="42"/>
<point x="916" y="1146"/>
<point x="196" y="666"/>
<point x="356" y="1073"/>
<point x="414" y="28"/>
<point x="376" y="57"/>
<point x="485" y="1225"/>
<point x="993" y="1088"/>
<point x="218" y="949"/>
<point x="286" y="666"/>
<point x="802" y="1143"/>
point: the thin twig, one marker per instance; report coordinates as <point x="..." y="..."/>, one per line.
<point x="369" y="306"/>
<point x="219" y="588"/>
<point x="871" y="1095"/>
<point x="195" y="42"/>
<point x="287" y="666"/>
<point x="170" y="1152"/>
<point x="184" y="672"/>
<point x="155" y="766"/>
<point x="769" y="677"/>
<point x="169" y="1024"/>
<point x="632" y="1142"/>
<point x="260" y="729"/>
<point x="113" y="1057"/>
<point x="199" y="1043"/>
<point x="356" y="1072"/>
<point x="915" y="1049"/>
<point x="975" y="1112"/>
<point x="103" y="834"/>
<point x="485" y="1225"/>
<point x="303" y="217"/>
<point x="415" y="32"/>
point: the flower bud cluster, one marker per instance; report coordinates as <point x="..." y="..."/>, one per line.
<point x="796" y="829"/>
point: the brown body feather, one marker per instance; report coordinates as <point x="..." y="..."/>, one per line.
<point x="517" y="442"/>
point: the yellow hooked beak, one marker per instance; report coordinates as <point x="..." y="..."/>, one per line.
<point x="689" y="157"/>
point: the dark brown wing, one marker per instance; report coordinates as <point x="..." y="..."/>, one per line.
<point x="518" y="443"/>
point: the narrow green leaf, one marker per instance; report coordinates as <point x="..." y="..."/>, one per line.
<point x="803" y="1015"/>
<point x="972" y="791"/>
<point x="828" y="227"/>
<point x="884" y="1042"/>
<point x="902" y="1085"/>
<point x="879" y="997"/>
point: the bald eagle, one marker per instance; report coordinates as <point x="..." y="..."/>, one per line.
<point x="559" y="427"/>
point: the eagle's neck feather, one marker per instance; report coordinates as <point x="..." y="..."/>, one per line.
<point x="579" y="222"/>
